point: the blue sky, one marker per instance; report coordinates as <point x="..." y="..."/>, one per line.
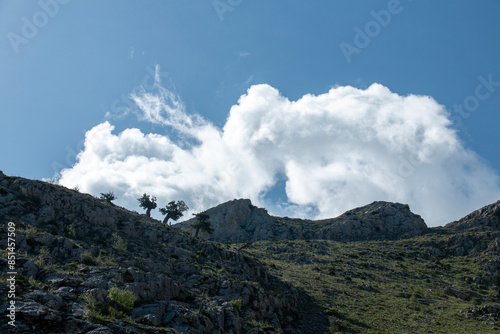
<point x="68" y="66"/>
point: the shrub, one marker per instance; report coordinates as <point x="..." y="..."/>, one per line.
<point x="333" y="311"/>
<point x="119" y="303"/>
<point x="119" y="245"/>
<point x="24" y="192"/>
<point x="30" y="232"/>
<point x="108" y="197"/>
<point x="122" y="300"/>
<point x="105" y="259"/>
<point x="87" y="258"/>
<point x="236" y="304"/>
<point x="71" y="231"/>
<point x="114" y="313"/>
<point x="205" y="313"/>
<point x="42" y="257"/>
<point x="262" y="326"/>
<point x="34" y="283"/>
<point x="92" y="306"/>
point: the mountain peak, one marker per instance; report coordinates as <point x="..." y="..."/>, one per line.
<point x="238" y="221"/>
<point x="76" y="254"/>
<point x="485" y="219"/>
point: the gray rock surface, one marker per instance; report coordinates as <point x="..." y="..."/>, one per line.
<point x="482" y="220"/>
<point x="65" y="250"/>
<point x="238" y="221"/>
<point x="65" y="241"/>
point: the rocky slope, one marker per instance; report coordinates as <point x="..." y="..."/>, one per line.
<point x="485" y="219"/>
<point x="72" y="250"/>
<point x="88" y="266"/>
<point x="239" y="221"/>
<point x="446" y="280"/>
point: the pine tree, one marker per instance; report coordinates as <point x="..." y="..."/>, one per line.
<point x="203" y="223"/>
<point x="148" y="203"/>
<point x="174" y="210"/>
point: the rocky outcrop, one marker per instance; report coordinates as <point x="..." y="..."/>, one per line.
<point x="375" y="221"/>
<point x="72" y="250"/>
<point x="238" y="221"/>
<point x="483" y="220"/>
<point x="477" y="233"/>
<point x="68" y="252"/>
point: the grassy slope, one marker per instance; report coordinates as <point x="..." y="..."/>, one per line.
<point x="387" y="286"/>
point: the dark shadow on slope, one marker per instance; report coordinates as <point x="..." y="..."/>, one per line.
<point x="311" y="316"/>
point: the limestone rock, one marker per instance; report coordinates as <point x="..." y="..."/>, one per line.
<point x="69" y="265"/>
<point x="238" y="221"/>
<point x="483" y="220"/>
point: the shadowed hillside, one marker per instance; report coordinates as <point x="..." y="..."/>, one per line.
<point x="82" y="260"/>
<point x="87" y="266"/>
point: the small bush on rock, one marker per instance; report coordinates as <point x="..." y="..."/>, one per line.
<point x="122" y="300"/>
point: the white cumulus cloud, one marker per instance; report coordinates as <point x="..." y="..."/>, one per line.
<point x="336" y="151"/>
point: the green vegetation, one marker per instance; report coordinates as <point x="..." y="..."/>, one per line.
<point x="119" y="304"/>
<point x="119" y="245"/>
<point x="88" y="258"/>
<point x="173" y="210"/>
<point x="34" y="283"/>
<point x="236" y="304"/>
<point x="103" y="259"/>
<point x="30" y="232"/>
<point x="385" y="286"/>
<point x="446" y="281"/>
<point x="148" y="203"/>
<point x="121" y="300"/>
<point x="262" y="326"/>
<point x="43" y="257"/>
<point x="71" y="231"/>
<point x="108" y="197"/>
<point x="92" y="306"/>
<point x="202" y="224"/>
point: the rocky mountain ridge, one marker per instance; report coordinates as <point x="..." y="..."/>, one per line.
<point x="73" y="249"/>
<point x="239" y="221"/>
<point x="484" y="219"/>
<point x="76" y="253"/>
